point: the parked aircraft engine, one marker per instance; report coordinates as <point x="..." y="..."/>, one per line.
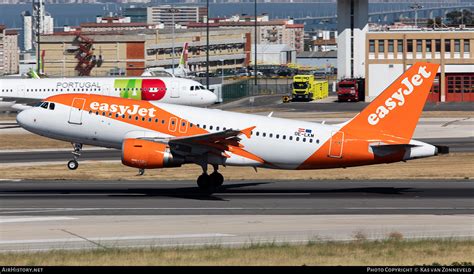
<point x="147" y="154"/>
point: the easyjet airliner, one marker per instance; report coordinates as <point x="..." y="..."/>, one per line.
<point x="166" y="89"/>
<point x="155" y="135"/>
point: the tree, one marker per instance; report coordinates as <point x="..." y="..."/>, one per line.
<point x="434" y="23"/>
<point x="457" y="17"/>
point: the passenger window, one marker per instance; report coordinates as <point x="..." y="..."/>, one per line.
<point x="156" y="120"/>
<point x="258" y="133"/>
<point x="217" y="128"/>
<point x="310" y="140"/>
<point x="284" y="137"/>
<point x="149" y="119"/>
<point x="204" y="126"/>
<point x="271" y="135"/>
<point x="210" y="127"/>
<point x="317" y="141"/>
<point x="277" y="136"/>
<point x="136" y="118"/>
<point x="304" y="139"/>
<point x="291" y="138"/>
<point x="297" y="138"/>
<point x="264" y="134"/>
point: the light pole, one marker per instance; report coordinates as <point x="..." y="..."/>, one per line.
<point x="416" y="7"/>
<point x="222" y="70"/>
<point x="255" y="47"/>
<point x="172" y="11"/>
<point x="207" y="45"/>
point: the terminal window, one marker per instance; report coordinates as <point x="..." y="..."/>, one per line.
<point x="371" y="46"/>
<point x="466" y="45"/>
<point x="447" y="45"/>
<point x="409" y="45"/>
<point x="381" y="46"/>
<point x="418" y="46"/>
<point x="438" y="45"/>
<point x="428" y="45"/>
<point x="400" y="45"/>
<point x="390" y="45"/>
<point x="457" y="45"/>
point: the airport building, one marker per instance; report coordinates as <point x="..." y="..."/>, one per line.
<point x="271" y="32"/>
<point x="390" y="53"/>
<point x="9" y="52"/>
<point x="179" y="15"/>
<point x="128" y="53"/>
<point x="381" y="53"/>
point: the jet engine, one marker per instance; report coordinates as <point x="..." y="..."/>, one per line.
<point x="147" y="154"/>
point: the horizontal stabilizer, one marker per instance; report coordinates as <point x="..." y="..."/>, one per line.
<point x="384" y="150"/>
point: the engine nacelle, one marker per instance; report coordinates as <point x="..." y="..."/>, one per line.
<point x="146" y="154"/>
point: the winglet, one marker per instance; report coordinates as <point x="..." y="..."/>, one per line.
<point x="247" y="132"/>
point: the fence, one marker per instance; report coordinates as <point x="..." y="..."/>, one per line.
<point x="247" y="87"/>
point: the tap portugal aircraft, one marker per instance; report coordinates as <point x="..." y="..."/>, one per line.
<point x="155" y="135"/>
<point x="167" y="89"/>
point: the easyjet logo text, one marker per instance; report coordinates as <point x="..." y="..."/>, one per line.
<point x="398" y="98"/>
<point x="121" y="109"/>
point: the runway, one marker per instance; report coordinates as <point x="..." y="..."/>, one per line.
<point x="64" y="155"/>
<point x="285" y="197"/>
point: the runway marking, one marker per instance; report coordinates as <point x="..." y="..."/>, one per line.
<point x="143" y="237"/>
<point x="40" y="210"/>
<point x="35" y="219"/>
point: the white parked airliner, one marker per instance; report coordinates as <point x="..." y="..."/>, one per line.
<point x="156" y="135"/>
<point x="172" y="90"/>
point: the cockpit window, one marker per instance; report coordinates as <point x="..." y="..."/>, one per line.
<point x="51" y="106"/>
<point x="192" y="87"/>
<point x="203" y="88"/>
<point x="44" y="105"/>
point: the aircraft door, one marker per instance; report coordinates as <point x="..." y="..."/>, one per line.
<point x="336" y="144"/>
<point x="75" y="114"/>
<point x="175" y="90"/>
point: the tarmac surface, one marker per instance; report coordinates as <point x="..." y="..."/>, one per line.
<point x="328" y="104"/>
<point x="71" y="198"/>
<point x="69" y="215"/>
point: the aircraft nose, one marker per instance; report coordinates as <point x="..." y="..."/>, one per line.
<point x="211" y="98"/>
<point x="25" y="119"/>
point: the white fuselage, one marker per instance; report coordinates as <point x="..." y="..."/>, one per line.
<point x="286" y="144"/>
<point x="171" y="90"/>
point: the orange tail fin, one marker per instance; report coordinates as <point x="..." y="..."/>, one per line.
<point x="395" y="112"/>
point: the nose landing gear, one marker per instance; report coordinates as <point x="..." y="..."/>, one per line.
<point x="212" y="181"/>
<point x="73" y="164"/>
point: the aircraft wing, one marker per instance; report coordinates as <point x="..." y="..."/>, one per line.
<point x="216" y="142"/>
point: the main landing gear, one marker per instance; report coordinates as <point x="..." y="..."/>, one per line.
<point x="210" y="181"/>
<point x="73" y="164"/>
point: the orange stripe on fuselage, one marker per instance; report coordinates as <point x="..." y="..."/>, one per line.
<point x="158" y="113"/>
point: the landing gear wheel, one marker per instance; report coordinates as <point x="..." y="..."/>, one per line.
<point x="141" y="171"/>
<point x="204" y="181"/>
<point x="72" y="165"/>
<point x="216" y="179"/>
